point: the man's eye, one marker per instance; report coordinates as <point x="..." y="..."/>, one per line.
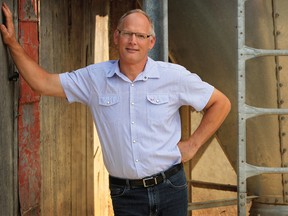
<point x="140" y="36"/>
<point x="127" y="33"/>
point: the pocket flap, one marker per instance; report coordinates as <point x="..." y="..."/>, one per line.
<point x="108" y="100"/>
<point x="158" y="99"/>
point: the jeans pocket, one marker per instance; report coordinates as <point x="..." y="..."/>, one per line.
<point x="178" y="181"/>
<point x="117" y="191"/>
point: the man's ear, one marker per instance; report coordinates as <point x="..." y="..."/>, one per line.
<point x="152" y="42"/>
<point x="116" y="37"/>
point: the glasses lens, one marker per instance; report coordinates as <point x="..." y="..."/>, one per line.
<point x="128" y="35"/>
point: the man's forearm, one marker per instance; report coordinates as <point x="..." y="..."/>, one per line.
<point x="212" y="119"/>
<point x="215" y="113"/>
<point x="27" y="67"/>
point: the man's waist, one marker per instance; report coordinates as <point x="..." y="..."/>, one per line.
<point x="147" y="181"/>
<point x="122" y="166"/>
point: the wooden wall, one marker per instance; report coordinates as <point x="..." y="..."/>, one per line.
<point x="66" y="43"/>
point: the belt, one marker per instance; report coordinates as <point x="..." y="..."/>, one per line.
<point x="148" y="181"/>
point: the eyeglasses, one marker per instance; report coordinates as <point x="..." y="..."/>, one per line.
<point x="128" y="35"/>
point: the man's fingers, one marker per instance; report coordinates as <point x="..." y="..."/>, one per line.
<point x="7" y="14"/>
<point x="3" y="29"/>
<point x="7" y="29"/>
<point x="6" y="8"/>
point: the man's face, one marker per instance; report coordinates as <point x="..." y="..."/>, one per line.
<point x="132" y="49"/>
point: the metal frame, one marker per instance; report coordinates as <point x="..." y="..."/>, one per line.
<point x="158" y="11"/>
<point x="245" y="111"/>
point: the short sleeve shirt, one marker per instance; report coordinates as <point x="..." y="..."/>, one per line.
<point x="138" y="122"/>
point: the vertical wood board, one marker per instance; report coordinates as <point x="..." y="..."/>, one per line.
<point x="66" y="130"/>
<point x="8" y="130"/>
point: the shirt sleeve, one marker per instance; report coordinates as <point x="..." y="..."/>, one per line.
<point x="194" y="91"/>
<point x="76" y="85"/>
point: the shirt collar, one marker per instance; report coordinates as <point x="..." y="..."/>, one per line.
<point x="150" y="70"/>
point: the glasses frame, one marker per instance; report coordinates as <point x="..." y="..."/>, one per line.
<point x="129" y="35"/>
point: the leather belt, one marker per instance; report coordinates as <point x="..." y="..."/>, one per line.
<point x="148" y="181"/>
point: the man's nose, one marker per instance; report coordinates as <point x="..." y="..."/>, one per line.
<point x="133" y="37"/>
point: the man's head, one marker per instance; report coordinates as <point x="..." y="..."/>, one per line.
<point x="120" y="22"/>
<point x="134" y="37"/>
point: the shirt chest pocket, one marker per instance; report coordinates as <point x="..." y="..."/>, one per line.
<point x="109" y="107"/>
<point x="158" y="106"/>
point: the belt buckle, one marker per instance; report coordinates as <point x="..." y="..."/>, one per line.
<point x="147" y="179"/>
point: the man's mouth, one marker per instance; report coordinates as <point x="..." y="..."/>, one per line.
<point x="131" y="50"/>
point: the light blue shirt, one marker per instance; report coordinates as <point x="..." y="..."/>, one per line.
<point x="138" y="121"/>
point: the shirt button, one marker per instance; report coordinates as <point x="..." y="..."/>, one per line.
<point x="132" y="122"/>
<point x="134" y="141"/>
<point x="132" y="84"/>
<point x="157" y="101"/>
<point x="137" y="160"/>
<point x="132" y="103"/>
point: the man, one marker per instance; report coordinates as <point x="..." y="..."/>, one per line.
<point x="134" y="102"/>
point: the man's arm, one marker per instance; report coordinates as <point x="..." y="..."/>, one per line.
<point x="215" y="113"/>
<point x="38" y="79"/>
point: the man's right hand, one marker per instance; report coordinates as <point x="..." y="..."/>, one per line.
<point x="8" y="30"/>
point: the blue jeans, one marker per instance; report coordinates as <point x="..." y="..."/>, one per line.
<point x="169" y="198"/>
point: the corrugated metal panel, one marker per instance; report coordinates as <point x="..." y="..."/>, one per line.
<point x="8" y="133"/>
<point x="66" y="38"/>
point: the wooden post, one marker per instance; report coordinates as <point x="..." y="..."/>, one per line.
<point x="185" y="113"/>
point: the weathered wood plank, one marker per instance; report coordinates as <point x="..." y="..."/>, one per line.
<point x="102" y="201"/>
<point x="8" y="133"/>
<point x="66" y="130"/>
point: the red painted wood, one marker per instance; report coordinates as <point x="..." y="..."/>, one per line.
<point x="29" y="119"/>
<point x="28" y="36"/>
